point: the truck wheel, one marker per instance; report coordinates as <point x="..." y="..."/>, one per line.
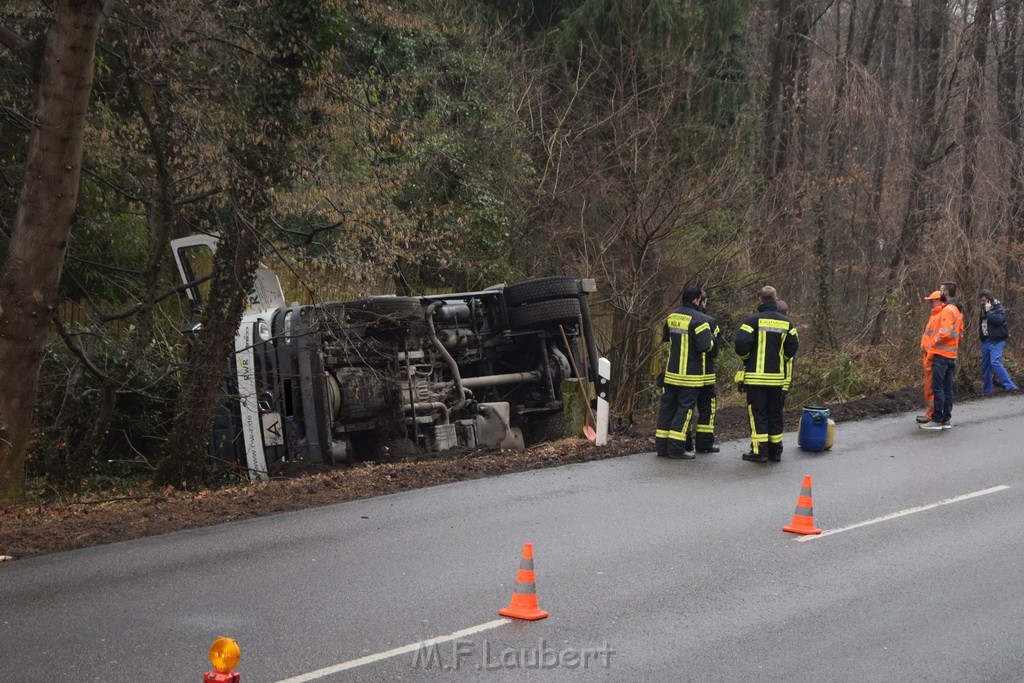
<point x="544" y="314"/>
<point x="547" y="428"/>
<point x="541" y="289"/>
<point x="379" y="308"/>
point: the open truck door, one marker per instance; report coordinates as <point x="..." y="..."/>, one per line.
<point x="245" y="424"/>
<point x="193" y="256"/>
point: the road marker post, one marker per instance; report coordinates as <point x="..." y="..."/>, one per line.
<point x="604" y="379"/>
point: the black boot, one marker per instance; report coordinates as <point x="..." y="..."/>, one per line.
<point x="661" y="447"/>
<point x="678" y="451"/>
<point x="706" y="444"/>
<point x="751" y="456"/>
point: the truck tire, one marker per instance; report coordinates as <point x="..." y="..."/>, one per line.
<point x="548" y="428"/>
<point x="541" y="289"/>
<point x="380" y="308"/>
<point x="544" y="314"/>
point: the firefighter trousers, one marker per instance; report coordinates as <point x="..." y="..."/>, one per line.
<point x="674" y="415"/>
<point x="707" y="404"/>
<point x="764" y="407"/>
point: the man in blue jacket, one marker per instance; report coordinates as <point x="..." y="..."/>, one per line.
<point x="994" y="331"/>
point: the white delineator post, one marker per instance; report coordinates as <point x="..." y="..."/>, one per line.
<point x="604" y="379"/>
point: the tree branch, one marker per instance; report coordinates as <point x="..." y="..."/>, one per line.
<point x="16" y="44"/>
<point x="139" y="307"/>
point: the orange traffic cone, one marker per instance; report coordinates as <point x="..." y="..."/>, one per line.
<point x="524" y="597"/>
<point x="803" y="518"/>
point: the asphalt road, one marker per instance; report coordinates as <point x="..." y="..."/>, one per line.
<point x="652" y="570"/>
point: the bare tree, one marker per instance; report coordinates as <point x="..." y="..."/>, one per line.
<point x="32" y="268"/>
<point x="930" y="21"/>
<point x="1008" y="94"/>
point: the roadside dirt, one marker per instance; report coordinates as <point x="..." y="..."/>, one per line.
<point x="45" y="528"/>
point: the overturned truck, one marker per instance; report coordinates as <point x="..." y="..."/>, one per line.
<point x="334" y="382"/>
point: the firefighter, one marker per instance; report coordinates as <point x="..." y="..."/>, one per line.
<point x="783" y="308"/>
<point x="690" y="339"/>
<point x="766" y="341"/>
<point x="935" y="300"/>
<point x="707" y="400"/>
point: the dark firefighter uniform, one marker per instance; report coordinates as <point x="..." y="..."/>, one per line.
<point x="690" y="338"/>
<point x="766" y="341"/>
<point x="707" y="401"/>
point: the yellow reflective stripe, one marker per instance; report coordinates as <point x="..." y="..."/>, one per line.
<point x="762" y="342"/>
<point x="792" y="331"/>
<point x="770" y="324"/>
<point x="762" y="375"/>
<point x="700" y="328"/>
<point x="661" y="433"/>
<point x="746" y="328"/>
<point x="684" y="380"/>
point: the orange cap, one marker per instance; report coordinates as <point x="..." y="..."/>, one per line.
<point x="934" y="295"/>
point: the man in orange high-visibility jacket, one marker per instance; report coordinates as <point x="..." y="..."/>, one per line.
<point x="935" y="299"/>
<point x="942" y="347"/>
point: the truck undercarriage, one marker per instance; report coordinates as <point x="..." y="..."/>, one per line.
<point x="336" y="382"/>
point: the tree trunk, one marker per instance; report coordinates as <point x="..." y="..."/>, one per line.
<point x="35" y="257"/>
<point x="789" y="56"/>
<point x="825" y="199"/>
<point x="931" y="20"/>
<point x="972" y="131"/>
<point x="185" y="456"/>
<point x="1007" y="87"/>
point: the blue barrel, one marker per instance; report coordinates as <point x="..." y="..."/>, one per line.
<point x="813" y="432"/>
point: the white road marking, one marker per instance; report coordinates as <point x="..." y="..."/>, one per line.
<point x="370" y="659"/>
<point x="908" y="511"/>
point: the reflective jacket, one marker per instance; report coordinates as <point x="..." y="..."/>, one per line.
<point x="931" y="327"/>
<point x="690" y="338"/>
<point x="765" y="341"/>
<point x="992" y="325"/>
<point x="944" y="331"/>
<point x="710" y="356"/>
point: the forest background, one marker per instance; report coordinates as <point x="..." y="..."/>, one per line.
<point x="853" y="153"/>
